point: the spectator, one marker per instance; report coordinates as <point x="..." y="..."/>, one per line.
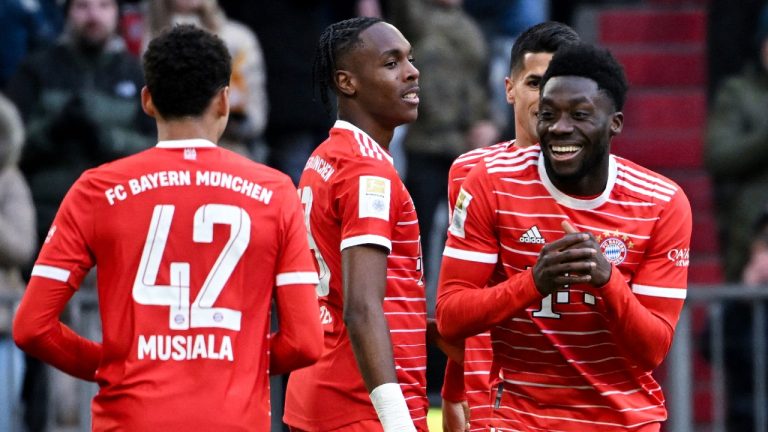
<point x="736" y="152"/>
<point x="739" y="346"/>
<point x="248" y="94"/>
<point x="25" y="25"/>
<point x="189" y="265"/>
<point x="17" y="246"/>
<point x="288" y="31"/>
<point x="79" y="100"/>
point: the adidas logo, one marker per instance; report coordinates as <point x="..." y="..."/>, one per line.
<point x="532" y="236"/>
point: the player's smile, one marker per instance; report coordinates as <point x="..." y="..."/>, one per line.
<point x="411" y="96"/>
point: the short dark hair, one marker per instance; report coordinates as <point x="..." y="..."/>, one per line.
<point x="546" y="37"/>
<point x="335" y="41"/>
<point x="588" y="61"/>
<point x="184" y="67"/>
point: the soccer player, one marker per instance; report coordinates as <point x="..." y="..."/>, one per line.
<point x="192" y="243"/>
<point x="530" y="55"/>
<point x="589" y="245"/>
<point x="365" y="235"/>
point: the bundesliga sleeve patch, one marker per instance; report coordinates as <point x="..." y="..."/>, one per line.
<point x="460" y="214"/>
<point x="374" y="199"/>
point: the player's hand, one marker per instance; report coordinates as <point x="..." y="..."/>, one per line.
<point x="455" y="416"/>
<point x="566" y="261"/>
<point x="601" y="270"/>
<point x="454" y="350"/>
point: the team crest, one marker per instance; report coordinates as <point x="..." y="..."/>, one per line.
<point x="614" y="246"/>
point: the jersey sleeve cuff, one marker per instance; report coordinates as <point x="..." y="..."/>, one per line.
<point x="481" y="257"/>
<point x="366" y="239"/>
<point x="297" y="278"/>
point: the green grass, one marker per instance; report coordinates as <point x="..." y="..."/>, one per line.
<point x="435" y="419"/>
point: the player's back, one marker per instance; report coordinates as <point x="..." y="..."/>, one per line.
<point x="188" y="243"/>
<point x="353" y="196"/>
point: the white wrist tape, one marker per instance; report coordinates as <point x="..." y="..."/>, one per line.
<point x="391" y="408"/>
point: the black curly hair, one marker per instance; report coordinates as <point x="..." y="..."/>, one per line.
<point x="588" y="61"/>
<point x="544" y="37"/>
<point x="184" y="67"/>
<point x="336" y="41"/>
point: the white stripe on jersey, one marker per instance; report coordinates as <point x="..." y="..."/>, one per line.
<point x="516" y="168"/>
<point x="366" y="239"/>
<point x="487" y="258"/>
<point x="481" y="152"/>
<point x="676" y="293"/>
<point x="643" y="191"/>
<point x="296" y="278"/>
<point x="654" y="179"/>
<point x="50" y="272"/>
<point x="642" y="183"/>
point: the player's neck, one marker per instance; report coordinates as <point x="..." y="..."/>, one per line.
<point x="186" y="129"/>
<point x="382" y="135"/>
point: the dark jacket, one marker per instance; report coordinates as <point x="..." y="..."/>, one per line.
<point x="80" y="111"/>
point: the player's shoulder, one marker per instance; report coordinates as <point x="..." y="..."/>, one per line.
<point x="512" y="162"/>
<point x="646" y="185"/>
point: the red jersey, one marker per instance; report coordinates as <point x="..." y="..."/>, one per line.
<point x="353" y="196"/>
<point x="581" y="358"/>
<point x="190" y="241"/>
<point x="477" y="349"/>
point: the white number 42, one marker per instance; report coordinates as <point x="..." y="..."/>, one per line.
<point x="201" y="313"/>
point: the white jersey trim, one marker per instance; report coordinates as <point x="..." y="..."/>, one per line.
<point x="676" y="293"/>
<point x="51" y="272"/>
<point x="575" y="203"/>
<point x="368" y="146"/>
<point x="185" y="143"/>
<point x="297" y="278"/>
<point x="366" y="239"/>
<point x="481" y="257"/>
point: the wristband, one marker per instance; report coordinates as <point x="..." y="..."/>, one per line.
<point x="391" y="408"/>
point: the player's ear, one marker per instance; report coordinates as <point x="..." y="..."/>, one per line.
<point x="345" y="82"/>
<point x="146" y="102"/>
<point x="509" y="86"/>
<point x="617" y="123"/>
<point x="222" y="102"/>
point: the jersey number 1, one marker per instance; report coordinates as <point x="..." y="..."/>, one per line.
<point x="201" y="312"/>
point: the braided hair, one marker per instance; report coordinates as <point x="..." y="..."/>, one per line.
<point x="335" y="41"/>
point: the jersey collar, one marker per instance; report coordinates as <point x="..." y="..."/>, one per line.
<point x="185" y="143"/>
<point x="342" y="124"/>
<point x="575" y="203"/>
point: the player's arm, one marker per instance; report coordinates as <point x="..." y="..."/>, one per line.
<point x="364" y="275"/>
<point x="38" y="331"/>
<point x="642" y="317"/>
<point x="299" y="341"/>
<point x="63" y="262"/>
<point x="464" y="308"/>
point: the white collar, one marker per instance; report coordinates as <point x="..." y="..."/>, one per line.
<point x="575" y="203"/>
<point x="342" y="124"/>
<point x="185" y="143"/>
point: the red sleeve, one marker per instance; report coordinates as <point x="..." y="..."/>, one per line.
<point x="453" y="383"/>
<point x="63" y="262"/>
<point x="643" y="317"/>
<point x="299" y="342"/>
<point x="465" y="306"/>
<point x="38" y="331"/>
<point x="369" y="197"/>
